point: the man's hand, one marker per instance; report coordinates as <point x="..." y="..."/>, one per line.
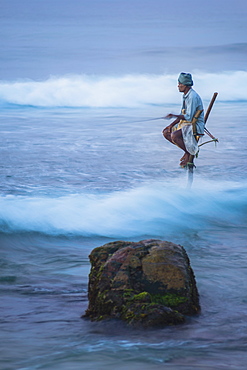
<point x="169" y="116"/>
<point x="177" y="116"/>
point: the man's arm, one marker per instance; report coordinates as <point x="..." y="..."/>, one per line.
<point x="178" y="118"/>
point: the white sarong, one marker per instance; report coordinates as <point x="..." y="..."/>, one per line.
<point x="190" y="142"/>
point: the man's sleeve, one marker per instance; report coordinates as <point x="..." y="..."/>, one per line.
<point x="191" y="107"/>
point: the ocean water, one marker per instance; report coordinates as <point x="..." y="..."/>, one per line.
<point x="84" y="162"/>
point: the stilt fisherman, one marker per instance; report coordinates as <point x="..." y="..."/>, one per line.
<point x="188" y="126"/>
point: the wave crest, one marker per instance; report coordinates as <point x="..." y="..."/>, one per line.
<point x="125" y="91"/>
<point x="158" y="210"/>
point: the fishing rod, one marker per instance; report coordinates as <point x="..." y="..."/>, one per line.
<point x="155" y="119"/>
<point x="146" y="120"/>
<point x="205" y="118"/>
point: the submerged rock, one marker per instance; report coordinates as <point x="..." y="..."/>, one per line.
<point x="148" y="283"/>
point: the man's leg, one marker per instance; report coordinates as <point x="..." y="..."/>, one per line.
<point x="177" y="139"/>
<point x="167" y="134"/>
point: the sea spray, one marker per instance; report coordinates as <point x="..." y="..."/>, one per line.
<point x="120" y="91"/>
<point x="157" y="210"/>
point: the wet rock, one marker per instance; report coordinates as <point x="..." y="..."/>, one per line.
<point x="148" y="283"/>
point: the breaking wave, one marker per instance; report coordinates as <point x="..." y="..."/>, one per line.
<point x="158" y="210"/>
<point x="123" y="91"/>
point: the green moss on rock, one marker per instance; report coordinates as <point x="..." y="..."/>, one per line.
<point x="169" y="299"/>
<point x="142" y="297"/>
<point x="149" y="283"/>
<point x="150" y="315"/>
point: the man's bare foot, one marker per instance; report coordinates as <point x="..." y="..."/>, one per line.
<point x="182" y="158"/>
<point x="185" y="160"/>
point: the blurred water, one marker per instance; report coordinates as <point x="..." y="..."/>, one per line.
<point x="74" y="189"/>
<point x="44" y="38"/>
<point x="82" y="166"/>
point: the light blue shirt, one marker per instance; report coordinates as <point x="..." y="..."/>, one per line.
<point x="191" y="103"/>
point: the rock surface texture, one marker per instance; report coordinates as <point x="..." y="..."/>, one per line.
<point x="148" y="283"/>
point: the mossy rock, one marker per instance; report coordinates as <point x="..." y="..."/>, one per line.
<point x="150" y="315"/>
<point x="151" y="279"/>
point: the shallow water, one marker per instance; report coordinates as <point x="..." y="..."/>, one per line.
<point x="65" y="206"/>
<point x="83" y="163"/>
<point x="43" y="291"/>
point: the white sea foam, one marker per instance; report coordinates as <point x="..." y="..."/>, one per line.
<point x="157" y="210"/>
<point x="124" y="91"/>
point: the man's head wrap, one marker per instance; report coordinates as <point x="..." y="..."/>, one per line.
<point x="185" y="79"/>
